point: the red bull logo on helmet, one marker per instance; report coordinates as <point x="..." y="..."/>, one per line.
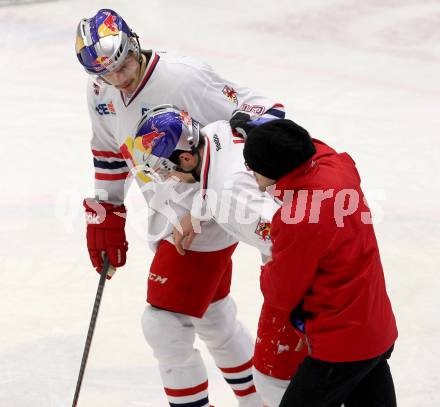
<point x="145" y="141"/>
<point x="102" y="63"/>
<point x="101" y="60"/>
<point x="108" y="27"/>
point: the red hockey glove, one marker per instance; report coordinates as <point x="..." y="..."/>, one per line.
<point x="105" y="233"/>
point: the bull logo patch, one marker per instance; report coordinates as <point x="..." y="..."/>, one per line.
<point x="263" y="230"/>
<point x="231" y="94"/>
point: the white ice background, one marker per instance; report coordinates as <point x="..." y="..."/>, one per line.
<point x="363" y="76"/>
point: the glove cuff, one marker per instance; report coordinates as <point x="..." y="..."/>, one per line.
<point x="104" y="214"/>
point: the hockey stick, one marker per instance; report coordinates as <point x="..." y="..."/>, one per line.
<point x="106" y="266"/>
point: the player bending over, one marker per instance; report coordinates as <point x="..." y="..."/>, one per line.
<point x="170" y="145"/>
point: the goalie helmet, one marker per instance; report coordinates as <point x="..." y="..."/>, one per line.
<point x="104" y="41"/>
<point x="160" y="135"/>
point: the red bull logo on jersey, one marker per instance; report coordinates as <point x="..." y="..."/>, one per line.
<point x="231" y="94"/>
<point x="108" y="27"/>
<point x="263" y="230"/>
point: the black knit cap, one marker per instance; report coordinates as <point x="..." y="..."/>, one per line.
<point x="275" y="148"/>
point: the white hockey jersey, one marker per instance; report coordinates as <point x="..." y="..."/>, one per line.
<point x="229" y="193"/>
<point x="190" y="85"/>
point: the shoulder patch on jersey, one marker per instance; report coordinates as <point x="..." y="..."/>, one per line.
<point x="263" y="230"/>
<point x="231" y="94"/>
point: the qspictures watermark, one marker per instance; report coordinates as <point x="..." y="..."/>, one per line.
<point x="231" y="204"/>
<point x="296" y="205"/>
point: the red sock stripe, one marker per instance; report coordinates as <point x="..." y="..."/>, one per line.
<point x="245" y="392"/>
<point x="237" y="369"/>
<point x="189" y="391"/>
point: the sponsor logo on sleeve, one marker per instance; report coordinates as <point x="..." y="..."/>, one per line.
<point x="253" y="109"/>
<point x="216" y="140"/>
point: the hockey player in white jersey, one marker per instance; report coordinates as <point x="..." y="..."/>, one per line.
<point x="125" y="83"/>
<point x="170" y="145"/>
<point x="229" y="195"/>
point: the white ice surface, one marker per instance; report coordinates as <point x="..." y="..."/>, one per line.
<point x="361" y="75"/>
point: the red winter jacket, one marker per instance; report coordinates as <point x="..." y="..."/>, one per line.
<point x="326" y="261"/>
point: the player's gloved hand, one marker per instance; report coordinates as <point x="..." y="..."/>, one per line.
<point x="105" y="233"/>
<point x="242" y="122"/>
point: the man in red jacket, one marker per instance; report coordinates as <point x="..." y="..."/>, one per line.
<point x="325" y="269"/>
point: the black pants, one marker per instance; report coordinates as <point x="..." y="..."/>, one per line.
<point x="366" y="383"/>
